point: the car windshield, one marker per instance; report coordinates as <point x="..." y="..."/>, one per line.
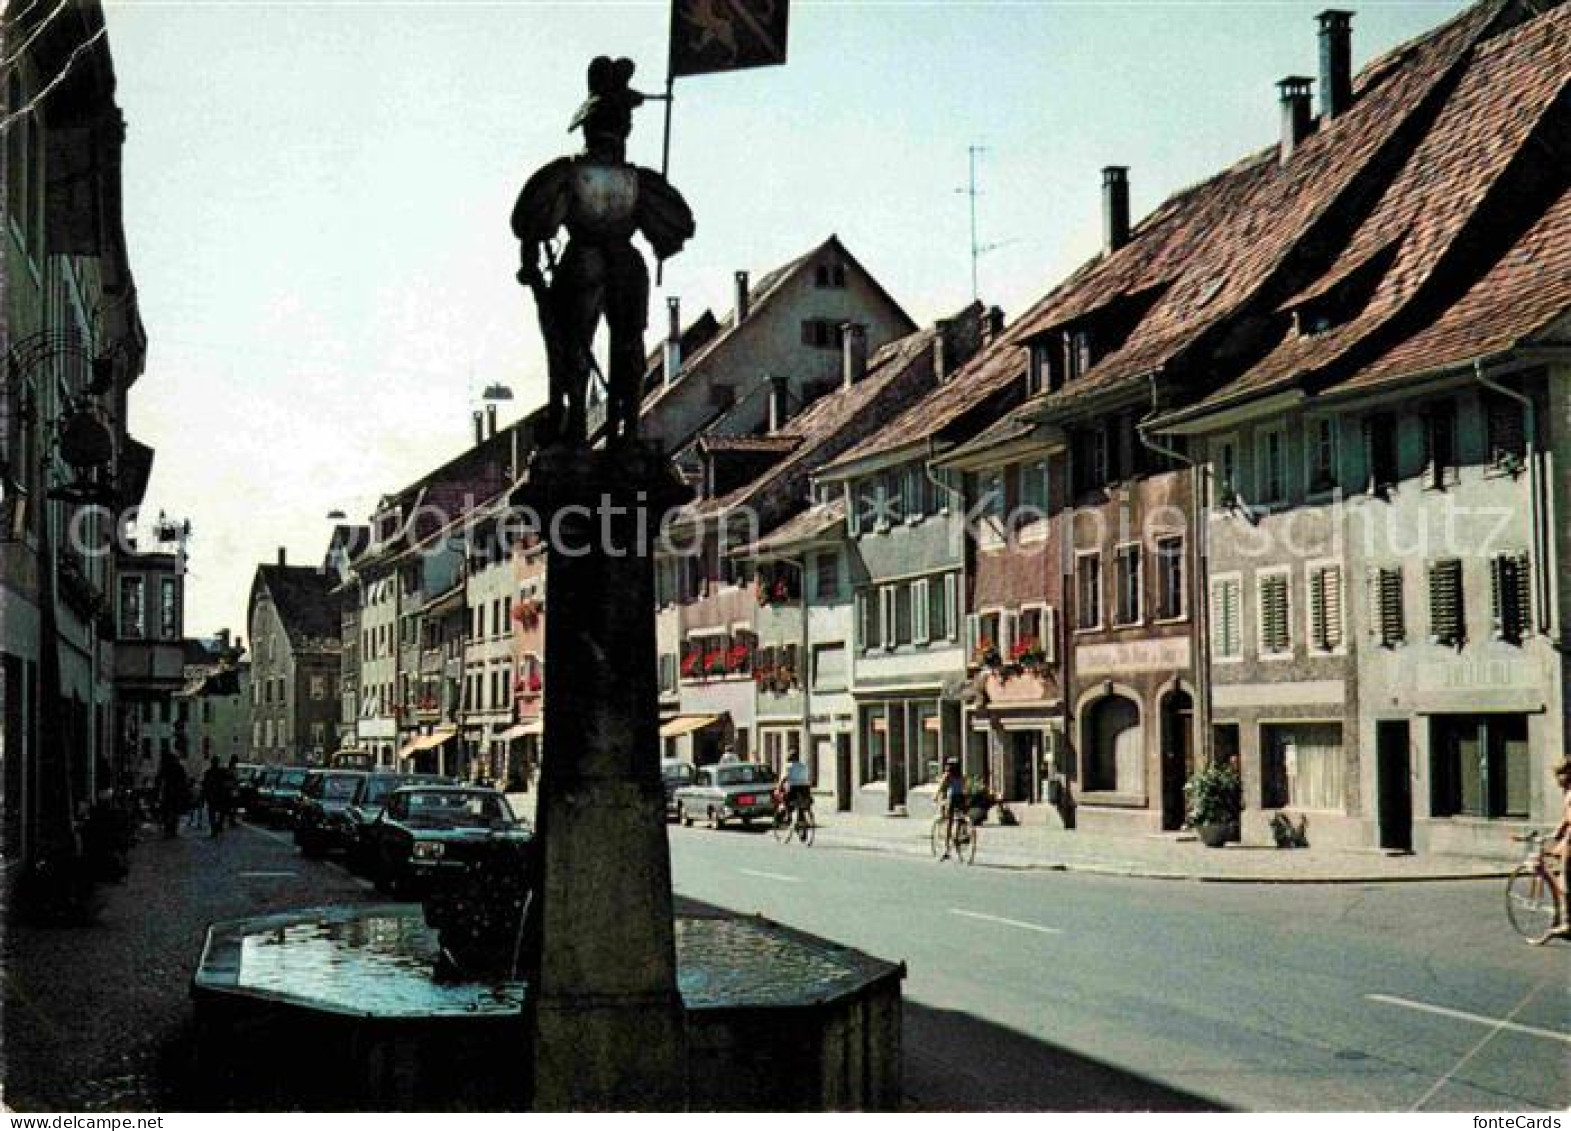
<point x="338" y="787"/>
<point x="741" y="775"/>
<point x="291" y="779"/>
<point x="452" y="809"/>
<point x="377" y="788"/>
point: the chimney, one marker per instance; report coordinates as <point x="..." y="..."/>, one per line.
<point x="283" y="556"/>
<point x="479" y="428"/>
<point x="223" y="640"/>
<point x="853" y="353"/>
<point x="1336" y="62"/>
<point x="673" y="339"/>
<point x="490" y="420"/>
<point x="742" y="297"/>
<point x="1115" y="208"/>
<point x="992" y="325"/>
<point x="1295" y="113"/>
<point x="779" y="402"/>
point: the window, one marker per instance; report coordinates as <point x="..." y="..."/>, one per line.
<point x="921" y="606"/>
<point x="1226" y="638"/>
<point x="1303" y="766"/>
<point x="1511" y="597"/>
<point x="1040" y="371"/>
<point x="1505" y="430"/>
<point x="826" y="576"/>
<point x="1224" y="472"/>
<point x="1088" y="590"/>
<point x="1480" y="766"/>
<point x="1321" y="450"/>
<point x="903" y="632"/>
<point x="1440" y="444"/>
<point x="318" y="687"/>
<point x="1325" y="608"/>
<point x="168" y="608"/>
<point x="1078" y="351"/>
<point x="869" y="618"/>
<point x="875" y="745"/>
<point x="1447" y="620"/>
<point x="820" y="333"/>
<point x="829" y="667"/>
<point x="1126" y="578"/>
<point x="1033" y="492"/>
<point x="133" y="616"/>
<point x="1273" y="465"/>
<point x="1114" y="744"/>
<point x="1091" y="459"/>
<point x="1169" y="578"/>
<point x="830" y="275"/>
<point x="1276" y="636"/>
<point x="1380" y="435"/>
<point x="912" y="492"/>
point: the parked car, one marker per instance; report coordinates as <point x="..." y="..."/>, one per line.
<point x="247" y="774"/>
<point x="321" y="823"/>
<point x="734" y="791"/>
<point x="428" y="833"/>
<point x="674" y="774"/>
<point x="366" y="807"/>
<point x="277" y="795"/>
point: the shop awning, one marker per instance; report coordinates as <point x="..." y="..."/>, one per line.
<point x="522" y="730"/>
<point x="427" y="741"/>
<point x="686" y="724"/>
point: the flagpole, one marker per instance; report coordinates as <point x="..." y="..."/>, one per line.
<point x="665" y="156"/>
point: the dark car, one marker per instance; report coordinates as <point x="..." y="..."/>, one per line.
<point x="427" y="833"/>
<point x="674" y="774"/>
<point x="321" y="821"/>
<point x="277" y="795"/>
<point x="246" y="776"/>
<point x="734" y="790"/>
<point x="362" y="813"/>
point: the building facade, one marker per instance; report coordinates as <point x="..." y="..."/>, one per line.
<point x="294" y="624"/>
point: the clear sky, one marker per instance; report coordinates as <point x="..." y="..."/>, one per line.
<point x="317" y="197"/>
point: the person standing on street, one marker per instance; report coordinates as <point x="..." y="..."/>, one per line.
<point x="213" y="796"/>
<point x="172" y="788"/>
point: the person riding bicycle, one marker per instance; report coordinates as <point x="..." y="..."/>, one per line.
<point x="1560" y="844"/>
<point x="951" y="799"/>
<point x="796" y="785"/>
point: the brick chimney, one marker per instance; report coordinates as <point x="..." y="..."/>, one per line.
<point x="283" y="556"/>
<point x="992" y="325"/>
<point x="853" y="353"/>
<point x="1336" y="62"/>
<point x="743" y="298"/>
<point x="1295" y="113"/>
<point x="673" y="340"/>
<point x="1115" y="208"/>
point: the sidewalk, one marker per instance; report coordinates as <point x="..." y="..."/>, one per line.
<point x="1166" y="856"/>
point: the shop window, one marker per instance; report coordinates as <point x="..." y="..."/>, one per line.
<point x="1302" y="766"/>
<point x="1480" y="766"/>
<point x="875" y="745"/>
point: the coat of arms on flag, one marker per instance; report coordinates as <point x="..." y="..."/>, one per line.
<point x="726" y="35"/>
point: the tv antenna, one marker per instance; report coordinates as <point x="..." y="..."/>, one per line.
<point x="971" y="192"/>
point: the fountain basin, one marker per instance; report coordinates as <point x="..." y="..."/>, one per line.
<point x="336" y="1007"/>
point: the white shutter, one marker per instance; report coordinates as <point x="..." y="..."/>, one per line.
<point x="1050" y="633"/>
<point x="886" y="614"/>
<point x="973" y="633"/>
<point x="1446" y="618"/>
<point x="920" y="629"/>
<point x="951" y="605"/>
<point x="1331" y="598"/>
<point x="1008" y="633"/>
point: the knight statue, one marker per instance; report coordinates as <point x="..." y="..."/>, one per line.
<point x="601" y="200"/>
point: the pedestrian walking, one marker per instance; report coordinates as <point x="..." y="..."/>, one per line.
<point x="213" y="796"/>
<point x="172" y="788"/>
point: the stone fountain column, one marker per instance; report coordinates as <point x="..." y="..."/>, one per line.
<point x="609" y="1023"/>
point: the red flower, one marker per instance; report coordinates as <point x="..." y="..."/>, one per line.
<point x="1023" y="647"/>
<point x="690" y="664"/>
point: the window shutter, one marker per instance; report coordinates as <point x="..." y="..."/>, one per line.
<point x="886" y="610"/>
<point x="1050" y="634"/>
<point x="1445" y="602"/>
<point x="1224" y="618"/>
<point x="1511" y="595"/>
<point x="1388" y="623"/>
<point x="1325" y="608"/>
<point x="920" y="629"/>
<point x="1507" y="431"/>
<point x="973" y="633"/>
<point x="951" y="605"/>
<point x="1524" y="594"/>
<point x="1008" y="633"/>
<point x="1274" y="629"/>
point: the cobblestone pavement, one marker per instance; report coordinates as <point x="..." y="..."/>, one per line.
<point x="1033" y="844"/>
<point x="93" y="1014"/>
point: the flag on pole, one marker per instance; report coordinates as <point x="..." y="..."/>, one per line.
<point x="726" y="35"/>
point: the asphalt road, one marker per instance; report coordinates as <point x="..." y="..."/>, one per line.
<point x="1054" y="991"/>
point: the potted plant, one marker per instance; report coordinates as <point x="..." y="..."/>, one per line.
<point x="1214" y="795"/>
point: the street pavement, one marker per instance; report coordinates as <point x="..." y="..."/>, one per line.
<point x="1027" y="989"/>
<point x="1052" y="990"/>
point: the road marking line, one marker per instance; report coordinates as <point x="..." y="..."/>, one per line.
<point x="1495" y="1023"/>
<point x="263" y="875"/>
<point x="1006" y="922"/>
<point x="271" y="835"/>
<point x="770" y="876"/>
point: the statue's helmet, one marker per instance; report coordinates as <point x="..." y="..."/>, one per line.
<point x="609" y="108"/>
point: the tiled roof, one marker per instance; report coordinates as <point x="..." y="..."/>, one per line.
<point x="809" y="525"/>
<point x="303" y="596"/>
<point x="1261" y="231"/>
<point x="774" y="442"/>
<point x="840" y="418"/>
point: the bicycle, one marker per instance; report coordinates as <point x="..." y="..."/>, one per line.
<point x="794" y="822"/>
<point x="1532" y="892"/>
<point x="961" y="843"/>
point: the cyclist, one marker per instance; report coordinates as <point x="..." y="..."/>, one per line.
<point x="1560" y="844"/>
<point x="796" y="785"/>
<point x="951" y="799"/>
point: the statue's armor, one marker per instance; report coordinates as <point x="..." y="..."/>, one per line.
<point x="602" y="201"/>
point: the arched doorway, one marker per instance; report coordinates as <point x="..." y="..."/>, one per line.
<point x="1178" y="754"/>
<point x="1114" y="746"/>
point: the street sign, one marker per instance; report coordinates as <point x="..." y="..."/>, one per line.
<point x="726" y="35"/>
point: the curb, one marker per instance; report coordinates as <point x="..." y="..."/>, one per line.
<point x="1135" y="872"/>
